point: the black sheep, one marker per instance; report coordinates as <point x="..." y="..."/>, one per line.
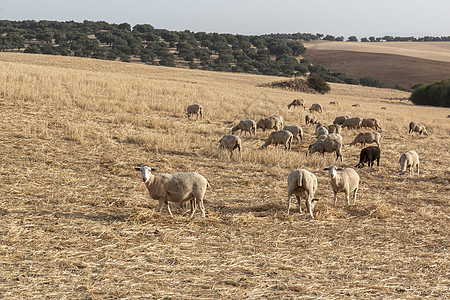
<point x="369" y="154"/>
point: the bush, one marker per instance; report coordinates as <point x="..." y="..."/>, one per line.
<point x="436" y="94"/>
<point x="319" y="84"/>
<point x="370" y="81"/>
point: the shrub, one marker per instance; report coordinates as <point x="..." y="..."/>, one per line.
<point x="319" y="84"/>
<point x="436" y="94"/>
<point x="370" y="81"/>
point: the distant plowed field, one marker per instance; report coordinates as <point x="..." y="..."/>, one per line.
<point x="403" y="64"/>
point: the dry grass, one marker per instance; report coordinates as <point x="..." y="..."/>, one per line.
<point x="76" y="221"/>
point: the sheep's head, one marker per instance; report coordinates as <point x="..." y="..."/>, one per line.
<point x="332" y="171"/>
<point x="145" y="172"/>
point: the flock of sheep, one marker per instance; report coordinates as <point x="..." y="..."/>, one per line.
<point x="181" y="187"/>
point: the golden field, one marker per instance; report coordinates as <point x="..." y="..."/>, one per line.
<point x="77" y="222"/>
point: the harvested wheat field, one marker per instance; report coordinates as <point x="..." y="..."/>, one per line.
<point x="77" y="221"/>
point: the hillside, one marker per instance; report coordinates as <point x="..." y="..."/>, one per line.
<point x="77" y="222"/>
<point x="394" y="63"/>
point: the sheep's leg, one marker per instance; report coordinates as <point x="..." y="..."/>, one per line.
<point x="289" y="201"/>
<point x="309" y="206"/>
<point x="168" y="208"/>
<point x="354" y="195"/>
<point x="417" y="169"/>
<point x="335" y="198"/>
<point x="231" y="153"/>
<point x="193" y="207"/>
<point x="299" y="203"/>
<point x="201" y="206"/>
<point x="160" y="205"/>
<point x="347" y="196"/>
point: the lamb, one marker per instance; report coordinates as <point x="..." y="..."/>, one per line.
<point x="279" y="137"/>
<point x="352" y="123"/>
<point x="369" y="155"/>
<point x="371" y="122"/>
<point x="302" y="183"/>
<point x="297" y="102"/>
<point x="343" y="180"/>
<point x="311" y="119"/>
<point x="417" y="127"/>
<point x="340" y="120"/>
<point x="246" y="126"/>
<point x="334" y="128"/>
<point x="268" y="123"/>
<point x="296" y="131"/>
<point x="409" y="159"/>
<point x="231" y="142"/>
<point x="316" y="107"/>
<point x="178" y="188"/>
<point x="196" y="109"/>
<point x="367" y="137"/>
<point x="327" y="143"/>
<point x="320" y="130"/>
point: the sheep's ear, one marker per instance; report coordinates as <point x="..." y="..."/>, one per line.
<point x="314" y="200"/>
<point x="326" y="169"/>
<point x="137" y="168"/>
<point x="339" y="169"/>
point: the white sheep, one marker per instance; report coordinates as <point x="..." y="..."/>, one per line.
<point x="269" y="123"/>
<point x="334" y="128"/>
<point x="417" y="127"/>
<point x="302" y="183"/>
<point x="327" y="143"/>
<point x="340" y="120"/>
<point x="343" y="180"/>
<point x="178" y="188"/>
<point x="246" y="126"/>
<point x="371" y="122"/>
<point x="367" y="137"/>
<point x="316" y="107"/>
<point x="311" y="119"/>
<point x="279" y="137"/>
<point x="196" y="109"/>
<point x="231" y="142"/>
<point x="296" y="131"/>
<point x="352" y="123"/>
<point x="320" y="130"/>
<point x="297" y="102"/>
<point x="281" y="120"/>
<point x="409" y="160"/>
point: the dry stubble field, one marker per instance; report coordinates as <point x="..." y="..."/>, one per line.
<point x="77" y="222"/>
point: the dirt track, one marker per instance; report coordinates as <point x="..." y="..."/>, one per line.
<point x="388" y="68"/>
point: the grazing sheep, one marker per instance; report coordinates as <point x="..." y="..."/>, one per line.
<point x="327" y="143"/>
<point x="369" y="155"/>
<point x="367" y="137"/>
<point x="371" y="122"/>
<point x="178" y="188"/>
<point x="334" y="128"/>
<point x="297" y="103"/>
<point x="356" y="105"/>
<point x="343" y="180"/>
<point x="231" y="142"/>
<point x="334" y="103"/>
<point x="384" y="107"/>
<point x="302" y="183"/>
<point x="296" y="131"/>
<point x="281" y="120"/>
<point x="409" y="159"/>
<point x="311" y="119"/>
<point x="417" y="127"/>
<point x="320" y="130"/>
<point x="279" y="137"/>
<point x="268" y="123"/>
<point x="246" y="126"/>
<point x="340" y="120"/>
<point x="352" y="123"/>
<point x="316" y="107"/>
<point x="196" y="109"/>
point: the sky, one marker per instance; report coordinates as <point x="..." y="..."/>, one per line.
<point x="361" y="18"/>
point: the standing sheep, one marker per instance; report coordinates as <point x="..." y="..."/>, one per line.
<point x="311" y="119"/>
<point x="368" y="137"/>
<point x="196" y="109"/>
<point x="231" y="142"/>
<point x="340" y="120"/>
<point x="409" y="159"/>
<point x="178" y="188"/>
<point x="316" y="107"/>
<point x="343" y="180"/>
<point x="327" y="143"/>
<point x="352" y="123"/>
<point x="280" y="122"/>
<point x="371" y="122"/>
<point x="246" y="126"/>
<point x="297" y="103"/>
<point x="269" y="123"/>
<point x="302" y="183"/>
<point x="417" y="127"/>
<point x="369" y="155"/>
<point x="296" y="131"/>
<point x="279" y="137"/>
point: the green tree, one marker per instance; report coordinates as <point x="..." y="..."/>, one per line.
<point x="318" y="83"/>
<point x="436" y="94"/>
<point x="370" y="81"/>
<point x="352" y="39"/>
